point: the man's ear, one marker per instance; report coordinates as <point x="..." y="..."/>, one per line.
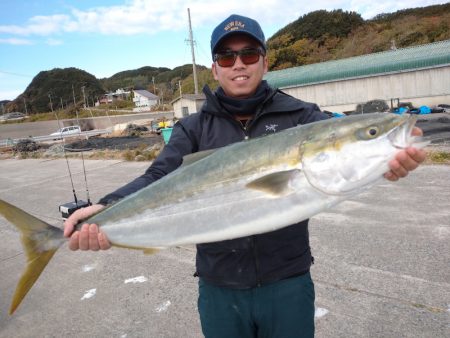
<point x="214" y="71"/>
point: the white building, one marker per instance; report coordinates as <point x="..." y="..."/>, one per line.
<point x="144" y="100"/>
<point x="187" y="104"/>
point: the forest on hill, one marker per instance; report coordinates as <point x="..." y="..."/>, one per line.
<point x="322" y="36"/>
<point x="314" y="37"/>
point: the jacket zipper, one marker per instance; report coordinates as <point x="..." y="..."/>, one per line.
<point x="255" y="256"/>
<point x="244" y="128"/>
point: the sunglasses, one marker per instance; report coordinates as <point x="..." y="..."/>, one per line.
<point x="248" y="56"/>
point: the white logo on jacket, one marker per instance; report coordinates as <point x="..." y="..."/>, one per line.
<point x="271" y="127"/>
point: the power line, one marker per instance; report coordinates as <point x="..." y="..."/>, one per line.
<point x="16" y="74"/>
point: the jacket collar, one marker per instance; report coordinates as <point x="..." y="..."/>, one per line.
<point x="212" y="105"/>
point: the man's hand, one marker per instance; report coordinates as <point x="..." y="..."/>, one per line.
<point x="89" y="237"/>
<point x="406" y="160"/>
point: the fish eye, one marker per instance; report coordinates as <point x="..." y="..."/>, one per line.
<point x="372" y="131"/>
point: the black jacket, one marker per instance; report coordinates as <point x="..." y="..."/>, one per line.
<point x="253" y="260"/>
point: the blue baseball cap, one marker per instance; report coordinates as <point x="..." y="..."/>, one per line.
<point x="237" y="24"/>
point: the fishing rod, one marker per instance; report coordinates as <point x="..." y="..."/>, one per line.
<point x="69" y="208"/>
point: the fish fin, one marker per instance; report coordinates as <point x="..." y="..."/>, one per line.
<point x="194" y="157"/>
<point x="276" y="184"/>
<point x="146" y="251"/>
<point x="150" y="251"/>
<point x="40" y="242"/>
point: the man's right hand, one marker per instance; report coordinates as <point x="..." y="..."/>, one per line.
<point x="89" y="237"/>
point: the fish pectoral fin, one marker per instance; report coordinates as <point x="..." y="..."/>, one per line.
<point x="275" y="184"/>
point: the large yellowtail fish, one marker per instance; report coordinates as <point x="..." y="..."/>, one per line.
<point x="245" y="188"/>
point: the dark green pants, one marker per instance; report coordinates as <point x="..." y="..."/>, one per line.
<point x="279" y="310"/>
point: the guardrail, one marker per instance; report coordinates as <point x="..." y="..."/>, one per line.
<point x="44" y="138"/>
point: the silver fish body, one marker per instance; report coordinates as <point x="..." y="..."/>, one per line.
<point x="259" y="185"/>
<point x="246" y="188"/>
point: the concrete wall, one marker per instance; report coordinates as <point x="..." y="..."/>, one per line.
<point x="421" y="87"/>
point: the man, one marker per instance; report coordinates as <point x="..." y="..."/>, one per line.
<point x="257" y="285"/>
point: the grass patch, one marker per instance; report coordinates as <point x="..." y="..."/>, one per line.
<point x="438" y="157"/>
<point x="141" y="153"/>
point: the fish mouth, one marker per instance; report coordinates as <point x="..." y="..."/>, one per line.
<point x="401" y="137"/>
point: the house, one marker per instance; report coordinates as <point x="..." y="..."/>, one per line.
<point x="144" y="100"/>
<point x="112" y="97"/>
<point x="187" y="104"/>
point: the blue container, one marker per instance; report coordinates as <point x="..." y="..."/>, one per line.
<point x="166" y="132"/>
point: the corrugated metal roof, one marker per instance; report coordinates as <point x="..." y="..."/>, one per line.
<point x="404" y="59"/>
<point x="191" y="97"/>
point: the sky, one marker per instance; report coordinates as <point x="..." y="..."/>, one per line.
<point x="104" y="37"/>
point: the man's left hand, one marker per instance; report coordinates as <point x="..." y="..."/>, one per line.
<point x="406" y="160"/>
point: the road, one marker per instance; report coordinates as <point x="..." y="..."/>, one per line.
<point x="381" y="263"/>
<point x="26" y="129"/>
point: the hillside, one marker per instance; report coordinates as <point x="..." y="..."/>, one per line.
<point x="321" y="36"/>
<point x="312" y="38"/>
<point x="50" y="89"/>
<point x="63" y="84"/>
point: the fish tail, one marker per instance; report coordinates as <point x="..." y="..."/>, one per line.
<point x="40" y="242"/>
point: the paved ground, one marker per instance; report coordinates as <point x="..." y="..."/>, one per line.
<point x="382" y="263"/>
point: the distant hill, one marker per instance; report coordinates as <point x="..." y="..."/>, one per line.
<point x="3" y="105"/>
<point x="314" y="37"/>
<point x="137" y="78"/>
<point x="164" y="80"/>
<point x="58" y="84"/>
<point x="321" y="35"/>
<point x="50" y="88"/>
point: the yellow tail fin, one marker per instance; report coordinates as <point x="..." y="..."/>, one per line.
<point x="40" y="242"/>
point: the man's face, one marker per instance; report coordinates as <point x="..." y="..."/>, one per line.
<point x="240" y="80"/>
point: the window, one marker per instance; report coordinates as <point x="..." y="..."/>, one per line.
<point x="185" y="111"/>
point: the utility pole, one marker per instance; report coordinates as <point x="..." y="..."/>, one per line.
<point x="84" y="97"/>
<point x="51" y="104"/>
<point x="73" y="93"/>
<point x="191" y="40"/>
<point x="179" y="87"/>
<point x="154" y="88"/>
<point x="25" y="104"/>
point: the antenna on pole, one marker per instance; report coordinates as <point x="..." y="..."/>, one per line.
<point x="191" y="41"/>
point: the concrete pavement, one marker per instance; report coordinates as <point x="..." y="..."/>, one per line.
<point x="382" y="263"/>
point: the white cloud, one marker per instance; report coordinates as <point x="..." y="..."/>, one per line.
<point x="16" y="41"/>
<point x="150" y="17"/>
<point x="53" y="42"/>
<point x="37" y="25"/>
<point x="140" y="16"/>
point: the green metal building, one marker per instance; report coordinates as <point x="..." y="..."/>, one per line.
<point x="419" y="74"/>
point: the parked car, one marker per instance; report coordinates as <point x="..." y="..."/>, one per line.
<point x="12" y="116"/>
<point x="66" y="131"/>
